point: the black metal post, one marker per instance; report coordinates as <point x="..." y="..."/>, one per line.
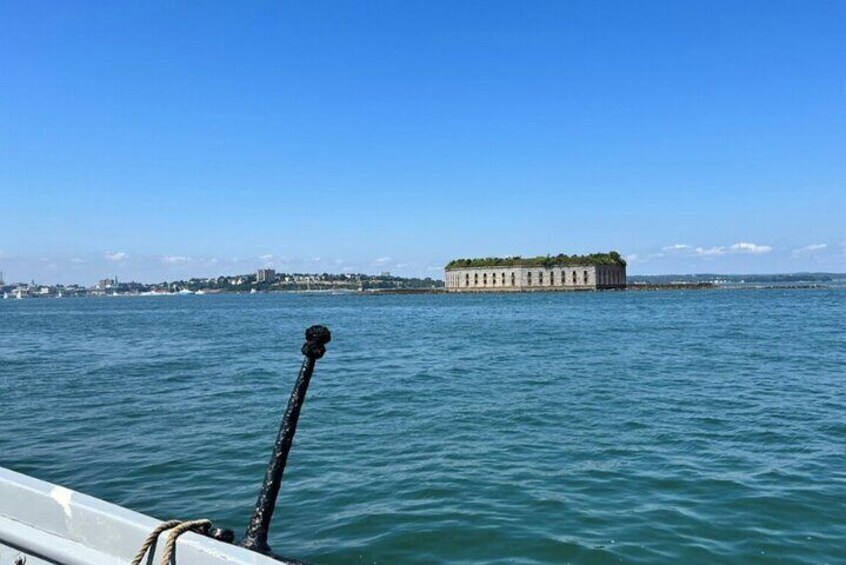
<point x="256" y="536"/>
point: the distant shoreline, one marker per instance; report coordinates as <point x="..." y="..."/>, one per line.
<point x="712" y="286"/>
<point x="631" y="287"/>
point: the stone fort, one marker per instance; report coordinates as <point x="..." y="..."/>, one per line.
<point x="598" y="271"/>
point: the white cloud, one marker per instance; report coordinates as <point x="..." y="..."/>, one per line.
<point x="382" y="261"/>
<point x="685" y="249"/>
<point x="76" y="260"/>
<point x="809" y="249"/>
<point x="676" y="247"/>
<point x="174" y="259"/>
<point x="266" y="257"/>
<point x="119" y="256"/>
<point x="754" y="248"/>
<point x="710" y="252"/>
<point x="715" y="251"/>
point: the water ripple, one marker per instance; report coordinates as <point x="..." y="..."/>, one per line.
<point x="585" y="428"/>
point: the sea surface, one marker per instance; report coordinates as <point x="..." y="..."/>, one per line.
<point x="619" y="427"/>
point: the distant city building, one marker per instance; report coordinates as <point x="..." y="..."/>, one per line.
<point x="266" y="275"/>
<point x="106" y="283"/>
<point x="385" y="274"/>
<point x="598" y="271"/>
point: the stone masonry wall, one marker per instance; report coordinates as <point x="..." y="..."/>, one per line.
<point x="515" y="279"/>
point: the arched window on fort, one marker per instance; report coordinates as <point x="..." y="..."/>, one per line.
<point x="484" y="279"/>
<point x="503" y="279"/>
<point x="586" y="277"/>
<point x="529" y="279"/>
<point x="475" y="279"/>
<point x="540" y="278"/>
<point x="513" y="280"/>
<point x="574" y="277"/>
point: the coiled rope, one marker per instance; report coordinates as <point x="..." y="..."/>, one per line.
<point x="178" y="528"/>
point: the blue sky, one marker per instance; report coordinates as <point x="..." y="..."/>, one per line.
<point x="156" y="140"/>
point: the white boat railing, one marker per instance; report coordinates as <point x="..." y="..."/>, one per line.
<point x="47" y="523"/>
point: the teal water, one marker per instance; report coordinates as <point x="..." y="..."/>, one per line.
<point x="639" y="427"/>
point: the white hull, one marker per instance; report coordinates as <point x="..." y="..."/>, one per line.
<point x="49" y="524"/>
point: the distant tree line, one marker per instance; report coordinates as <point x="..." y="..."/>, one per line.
<point x="560" y="260"/>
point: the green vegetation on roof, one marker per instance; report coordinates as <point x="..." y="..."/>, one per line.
<point x="560" y="260"/>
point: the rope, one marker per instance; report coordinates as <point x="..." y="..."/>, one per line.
<point x="191" y="526"/>
<point x="179" y="528"/>
<point x="151" y="539"/>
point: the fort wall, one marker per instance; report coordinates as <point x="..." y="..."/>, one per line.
<point x="525" y="278"/>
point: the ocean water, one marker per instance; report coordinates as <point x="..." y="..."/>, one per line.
<point x="621" y="427"/>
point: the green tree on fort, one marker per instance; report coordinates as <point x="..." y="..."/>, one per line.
<point x="560" y="260"/>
